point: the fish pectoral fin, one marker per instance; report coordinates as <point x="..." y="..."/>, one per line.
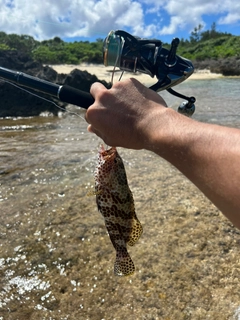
<point x="136" y="233"/>
<point x="123" y="265"/>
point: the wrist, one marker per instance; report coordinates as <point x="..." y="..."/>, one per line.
<point x="171" y="134"/>
<point x="159" y="130"/>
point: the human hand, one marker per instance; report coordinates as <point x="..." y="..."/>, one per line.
<point x="124" y="115"/>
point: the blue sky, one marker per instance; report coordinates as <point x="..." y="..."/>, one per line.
<point x="92" y="19"/>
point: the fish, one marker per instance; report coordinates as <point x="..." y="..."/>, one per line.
<point x="116" y="204"/>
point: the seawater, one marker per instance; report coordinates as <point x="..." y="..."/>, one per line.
<point x="217" y="100"/>
<point x="55" y="259"/>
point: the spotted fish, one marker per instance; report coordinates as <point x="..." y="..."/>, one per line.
<point x="115" y="202"/>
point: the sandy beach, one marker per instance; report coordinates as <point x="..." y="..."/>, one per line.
<point x="105" y="73"/>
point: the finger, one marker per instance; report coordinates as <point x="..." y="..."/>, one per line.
<point x="104" y="138"/>
<point x="91" y="129"/>
<point x="86" y="117"/>
<point x="95" y="87"/>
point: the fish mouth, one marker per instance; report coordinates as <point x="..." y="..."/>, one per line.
<point x="108" y="154"/>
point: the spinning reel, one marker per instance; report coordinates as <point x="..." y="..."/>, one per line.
<point x="128" y="53"/>
<point x="133" y="54"/>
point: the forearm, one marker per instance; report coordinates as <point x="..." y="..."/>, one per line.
<point x="131" y="116"/>
<point x="208" y="155"/>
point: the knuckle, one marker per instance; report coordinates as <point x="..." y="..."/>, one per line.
<point x="89" y="115"/>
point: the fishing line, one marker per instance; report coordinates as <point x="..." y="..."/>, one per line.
<point x="116" y="63"/>
<point x="40" y="97"/>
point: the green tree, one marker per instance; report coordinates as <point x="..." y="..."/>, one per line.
<point x="196" y="34"/>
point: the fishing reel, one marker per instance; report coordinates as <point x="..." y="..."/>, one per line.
<point x="148" y="56"/>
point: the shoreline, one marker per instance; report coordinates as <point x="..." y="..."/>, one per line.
<point x="105" y="73"/>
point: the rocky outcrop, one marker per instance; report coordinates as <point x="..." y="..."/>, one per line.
<point x="227" y="67"/>
<point x="15" y="102"/>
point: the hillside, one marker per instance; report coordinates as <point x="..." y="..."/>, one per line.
<point x="220" y="54"/>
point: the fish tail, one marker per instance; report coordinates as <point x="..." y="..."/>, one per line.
<point x="123" y="265"/>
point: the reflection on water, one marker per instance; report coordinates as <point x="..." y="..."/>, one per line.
<point x="56" y="259"/>
<point x="217" y="100"/>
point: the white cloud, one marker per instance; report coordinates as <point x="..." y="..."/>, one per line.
<point x="187" y="14"/>
<point x="176" y="24"/>
<point x="45" y="19"/>
<point x="230" y="18"/>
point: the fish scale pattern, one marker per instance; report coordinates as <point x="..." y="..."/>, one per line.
<point x="115" y="201"/>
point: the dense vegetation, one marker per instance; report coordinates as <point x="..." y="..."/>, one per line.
<point x="201" y="45"/>
<point x="209" y="44"/>
<point x="53" y="51"/>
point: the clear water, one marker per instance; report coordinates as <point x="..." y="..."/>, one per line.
<point x="55" y="257"/>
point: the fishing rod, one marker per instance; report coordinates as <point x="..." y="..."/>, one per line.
<point x="128" y="53"/>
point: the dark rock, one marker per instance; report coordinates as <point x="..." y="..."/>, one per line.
<point x="18" y="103"/>
<point x="82" y="80"/>
<point x="12" y="59"/>
<point x="45" y="73"/>
<point x="15" y="102"/>
<point x="227" y="66"/>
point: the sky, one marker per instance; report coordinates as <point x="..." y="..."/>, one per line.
<point x="89" y="20"/>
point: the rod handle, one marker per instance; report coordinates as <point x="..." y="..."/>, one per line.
<point x="74" y="96"/>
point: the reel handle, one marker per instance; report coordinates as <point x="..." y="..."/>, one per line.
<point x="171" y="58"/>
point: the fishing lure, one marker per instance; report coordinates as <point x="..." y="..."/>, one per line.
<point x="115" y="202"/>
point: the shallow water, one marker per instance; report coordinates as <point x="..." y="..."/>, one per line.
<point x="56" y="260"/>
<point x="217" y="99"/>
